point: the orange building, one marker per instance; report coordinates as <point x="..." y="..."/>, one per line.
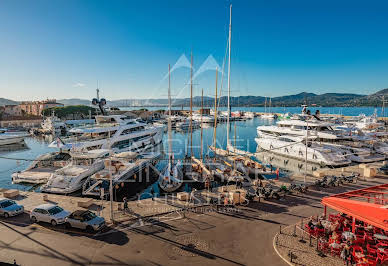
<point x="36" y="107"/>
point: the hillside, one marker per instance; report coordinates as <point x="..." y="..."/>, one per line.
<point x="326" y="99"/>
<point x="4" y="101"/>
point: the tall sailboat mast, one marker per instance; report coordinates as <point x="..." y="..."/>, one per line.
<point x="215" y="113"/>
<point x="230" y="42"/>
<point x="191" y="105"/>
<point x="169" y="120"/>
<point x="201" y="128"/>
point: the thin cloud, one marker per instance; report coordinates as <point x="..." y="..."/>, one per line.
<point x="79" y="85"/>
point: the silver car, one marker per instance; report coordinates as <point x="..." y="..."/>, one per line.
<point x="10" y="208"/>
<point x="49" y="213"/>
<point x="85" y="220"/>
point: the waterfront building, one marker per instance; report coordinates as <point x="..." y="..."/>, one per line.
<point x="36" y="107"/>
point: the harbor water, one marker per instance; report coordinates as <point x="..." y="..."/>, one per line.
<point x="242" y="135"/>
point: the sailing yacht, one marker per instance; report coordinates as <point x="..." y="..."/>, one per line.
<point x="268" y="115"/>
<point x="116" y="132"/>
<point x="172" y="176"/>
<point x="70" y="178"/>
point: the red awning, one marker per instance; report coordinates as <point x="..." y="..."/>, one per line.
<point x="368" y="205"/>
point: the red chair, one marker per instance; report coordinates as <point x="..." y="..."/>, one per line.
<point x="336" y="251"/>
<point x="309" y="230"/>
<point x="319" y="232"/>
<point x="371" y="250"/>
<point x="357" y="249"/>
<point x="323" y="246"/>
<point x="382" y="256"/>
<point x="368" y="238"/>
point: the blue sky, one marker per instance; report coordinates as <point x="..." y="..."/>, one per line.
<point x="61" y="48"/>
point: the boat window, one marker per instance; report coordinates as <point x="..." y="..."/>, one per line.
<point x="122" y="144"/>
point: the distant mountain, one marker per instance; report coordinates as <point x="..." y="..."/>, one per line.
<point x="326" y="99"/>
<point x="75" y="101"/>
<point x="4" y="101"/>
<point x="375" y="99"/>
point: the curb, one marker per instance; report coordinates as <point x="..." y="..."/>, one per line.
<point x="277" y="251"/>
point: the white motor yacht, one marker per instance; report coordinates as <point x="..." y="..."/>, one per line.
<point x="122" y="167"/>
<point x="294" y="147"/>
<point x="368" y="122"/>
<point x="9" y="138"/>
<point x="42" y="168"/>
<point x="186" y="124"/>
<point x="116" y="132"/>
<point x="204" y="119"/>
<point x="52" y="124"/>
<point x="70" y="178"/>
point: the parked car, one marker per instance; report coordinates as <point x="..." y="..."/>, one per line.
<point x="86" y="220"/>
<point x="49" y="213"/>
<point x="10" y="208"/>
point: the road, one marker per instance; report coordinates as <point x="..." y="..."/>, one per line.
<point x="235" y="236"/>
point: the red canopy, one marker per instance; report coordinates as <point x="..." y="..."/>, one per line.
<point x="358" y="204"/>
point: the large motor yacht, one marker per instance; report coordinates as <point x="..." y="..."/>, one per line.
<point x="70" y="178"/>
<point x="42" y="168"/>
<point x="116" y="132"/>
<point x="121" y="167"/>
<point x="295" y="147"/>
<point x="323" y="133"/>
<point x="52" y="124"/>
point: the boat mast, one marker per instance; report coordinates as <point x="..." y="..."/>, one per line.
<point x="230" y="40"/>
<point x="215" y="113"/>
<point x="169" y="119"/>
<point x="201" y="127"/>
<point x="191" y="105"/>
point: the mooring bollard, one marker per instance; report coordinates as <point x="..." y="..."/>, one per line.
<point x="294" y="234"/>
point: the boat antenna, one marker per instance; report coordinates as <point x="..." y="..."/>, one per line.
<point x="230" y="42"/>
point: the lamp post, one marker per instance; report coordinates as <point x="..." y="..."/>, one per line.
<point x="305" y="163"/>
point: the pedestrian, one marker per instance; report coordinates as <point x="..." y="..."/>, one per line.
<point x="125" y="204"/>
<point x="277" y="174"/>
<point x="152" y="193"/>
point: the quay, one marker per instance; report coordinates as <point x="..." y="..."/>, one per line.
<point x="176" y="231"/>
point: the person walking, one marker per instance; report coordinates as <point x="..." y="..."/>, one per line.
<point x="126" y="210"/>
<point x="152" y="193"/>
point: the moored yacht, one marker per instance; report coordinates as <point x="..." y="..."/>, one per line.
<point x="295" y="147"/>
<point x="116" y="132"/>
<point x="42" y="168"/>
<point x="8" y="138"/>
<point x="70" y="178"/>
<point x="121" y="167"/>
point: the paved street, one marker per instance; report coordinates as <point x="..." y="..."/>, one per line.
<point x="236" y="236"/>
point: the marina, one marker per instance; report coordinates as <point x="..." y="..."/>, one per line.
<point x="112" y="154"/>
